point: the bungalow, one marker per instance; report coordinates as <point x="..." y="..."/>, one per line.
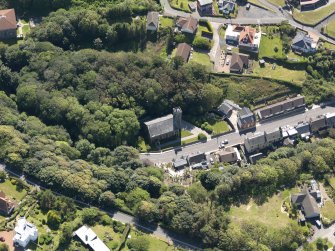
<point x="152" y="21"/>
<point x="7" y="24"/>
<point x="239" y="62"/>
<point x="246" y="119"/>
<point x="303" y="44"/>
<point x="165" y="127"/>
<point x="184" y="51"/>
<point x="187" y="25"/>
<point x="205" y="7"/>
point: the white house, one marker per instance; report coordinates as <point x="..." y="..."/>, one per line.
<point x="89" y="238"/>
<point x="24" y="232"/>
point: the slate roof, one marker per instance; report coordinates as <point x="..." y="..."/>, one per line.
<point x="179" y="163"/>
<point x="196" y="158"/>
<point x="238" y="61"/>
<point x="228" y="6"/>
<point x="318" y="123"/>
<point x="225" y="108"/>
<point x="302" y="128"/>
<point x="183" y="50"/>
<point x="7" y="19"/>
<point x="160" y="126"/>
<point x="307" y="202"/>
<point x="303" y="41"/>
<point x="153" y="19"/>
<point x="187" y="23"/>
<point x="245" y="116"/>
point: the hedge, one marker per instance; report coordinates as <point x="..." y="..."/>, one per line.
<point x="124" y="237"/>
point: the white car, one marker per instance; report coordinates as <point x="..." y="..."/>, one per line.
<point x="211" y="160"/>
<point x="224" y="142"/>
<point x="228" y="62"/>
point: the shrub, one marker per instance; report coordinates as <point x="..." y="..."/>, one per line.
<point x="118" y="227"/>
<point x="207" y="127"/>
<point x="202" y="137"/>
<point x="201" y="43"/>
<point x="106" y="220"/>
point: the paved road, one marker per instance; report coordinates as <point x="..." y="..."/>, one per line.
<point x="155" y="230"/>
<point x="235" y="138"/>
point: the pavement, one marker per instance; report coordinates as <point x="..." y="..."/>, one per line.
<point x="236" y="138"/>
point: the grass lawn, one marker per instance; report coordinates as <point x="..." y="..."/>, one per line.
<point x="201" y="58"/>
<point x="269" y="213"/>
<point x="185" y="133"/>
<point x="180" y="4"/>
<point x="315" y="16"/>
<point x="141" y="145"/>
<point x="25" y="30"/>
<point x="107" y="235"/>
<point x="328" y="210"/>
<point x="11" y="191"/>
<point x="220" y="127"/>
<point x="222" y="33"/>
<point x="280" y="73"/>
<point x="268" y="45"/>
<point x="166" y="21"/>
<point x="330" y="28"/>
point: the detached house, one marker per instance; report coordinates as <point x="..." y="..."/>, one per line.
<point x="205" y="7"/>
<point x="247" y="40"/>
<point x="184" y="51"/>
<point x="226" y="6"/>
<point x="187" y="24"/>
<point x="306" y="201"/>
<point x="246" y="119"/>
<point x="24" y="233"/>
<point x="303" y="44"/>
<point x="239" y="62"/>
<point x="152" y="21"/>
<point x="7" y="24"/>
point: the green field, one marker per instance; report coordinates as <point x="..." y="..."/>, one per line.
<point x="268" y="45"/>
<point x="280" y="73"/>
<point x="201" y="58"/>
<point x="315" y="16"/>
<point x="11" y="191"/>
<point x="329" y="46"/>
<point x="191" y="140"/>
<point x="268" y="213"/>
<point x="329" y="29"/>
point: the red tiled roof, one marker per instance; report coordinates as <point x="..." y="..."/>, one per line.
<point x="247" y="35"/>
<point x="7" y="19"/>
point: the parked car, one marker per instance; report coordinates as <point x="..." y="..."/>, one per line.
<point x="211" y="160"/>
<point x="318" y="223"/>
<point x="225" y="142"/>
<point x="248" y="6"/>
<point x="228" y="62"/>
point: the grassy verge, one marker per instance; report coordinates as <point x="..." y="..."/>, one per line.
<point x="329" y="29"/>
<point x="259" y="4"/>
<point x="188" y="141"/>
<point x="277" y="2"/>
<point x="328" y="210"/>
<point x="315" y="16"/>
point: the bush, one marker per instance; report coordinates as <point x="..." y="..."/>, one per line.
<point x="207" y="127"/>
<point x="118" y="227"/>
<point x="202" y="137"/>
<point x="106" y="220"/>
<point x="201" y="43"/>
